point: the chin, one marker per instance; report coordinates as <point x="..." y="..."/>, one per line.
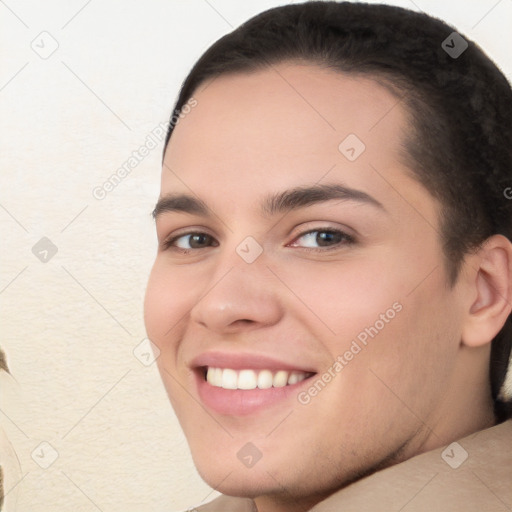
<point x="233" y="481"/>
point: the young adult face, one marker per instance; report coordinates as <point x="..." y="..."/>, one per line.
<point x="306" y="301"/>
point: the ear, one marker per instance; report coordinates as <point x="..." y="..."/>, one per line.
<point x="490" y="269"/>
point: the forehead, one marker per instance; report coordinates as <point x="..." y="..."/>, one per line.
<point x="283" y="126"/>
<point x="283" y="108"/>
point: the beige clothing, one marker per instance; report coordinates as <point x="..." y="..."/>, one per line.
<point x="482" y="482"/>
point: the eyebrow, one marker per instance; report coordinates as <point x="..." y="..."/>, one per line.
<point x="281" y="202"/>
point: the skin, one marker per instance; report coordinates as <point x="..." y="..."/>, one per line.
<point x="421" y="383"/>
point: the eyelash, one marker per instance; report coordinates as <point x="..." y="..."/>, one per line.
<point x="346" y="240"/>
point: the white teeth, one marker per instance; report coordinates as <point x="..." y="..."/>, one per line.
<point x="229" y="379"/>
<point x="247" y="379"/>
<point x="280" y="379"/>
<point x="251" y="379"/>
<point x="296" y="377"/>
<point x="217" y="377"/>
<point x="265" y="379"/>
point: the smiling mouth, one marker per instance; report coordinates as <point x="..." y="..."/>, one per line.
<point x="228" y="378"/>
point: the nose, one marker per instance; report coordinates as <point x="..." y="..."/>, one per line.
<point x="239" y="296"/>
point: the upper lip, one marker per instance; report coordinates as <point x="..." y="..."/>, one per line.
<point x="241" y="361"/>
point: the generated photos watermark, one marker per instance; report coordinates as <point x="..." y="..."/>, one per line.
<point x="152" y="141"/>
<point x="357" y="345"/>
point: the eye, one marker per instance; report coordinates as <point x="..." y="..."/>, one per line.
<point x="326" y="238"/>
<point x="318" y="239"/>
<point x="190" y="241"/>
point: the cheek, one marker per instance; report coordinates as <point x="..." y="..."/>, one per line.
<point x="395" y="327"/>
<point x="343" y="298"/>
<point x="171" y="294"/>
<point x="169" y="297"/>
<point x="405" y="369"/>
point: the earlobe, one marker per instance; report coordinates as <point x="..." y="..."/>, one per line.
<point x="491" y="270"/>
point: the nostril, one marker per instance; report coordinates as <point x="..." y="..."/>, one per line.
<point x="243" y="321"/>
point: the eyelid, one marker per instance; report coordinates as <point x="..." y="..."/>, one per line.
<point x="169" y="239"/>
<point x="319" y="225"/>
<point x="348" y="238"/>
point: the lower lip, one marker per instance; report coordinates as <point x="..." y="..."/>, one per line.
<point x="241" y="402"/>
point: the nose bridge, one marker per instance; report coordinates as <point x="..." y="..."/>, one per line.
<point x="242" y="262"/>
<point x="240" y="289"/>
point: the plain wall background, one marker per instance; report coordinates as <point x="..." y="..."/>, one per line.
<point x="70" y="325"/>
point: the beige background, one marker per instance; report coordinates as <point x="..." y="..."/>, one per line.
<point x="70" y="325"/>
